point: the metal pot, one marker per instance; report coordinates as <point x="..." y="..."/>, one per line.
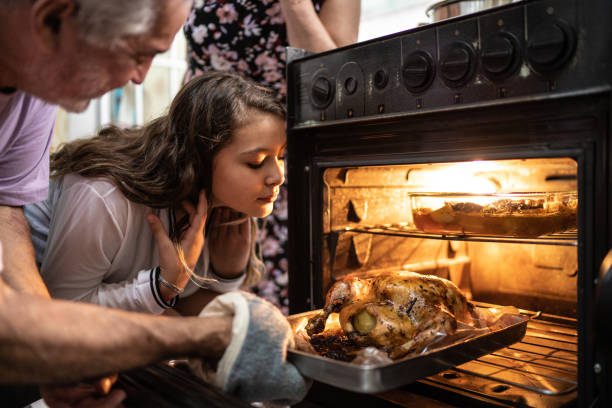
<point x="453" y="8"/>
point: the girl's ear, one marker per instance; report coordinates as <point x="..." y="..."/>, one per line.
<point x="48" y="19"/>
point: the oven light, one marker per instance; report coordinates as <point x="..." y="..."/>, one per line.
<point x="469" y="177"/>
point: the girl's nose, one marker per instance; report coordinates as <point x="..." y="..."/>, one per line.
<point x="276" y="175"/>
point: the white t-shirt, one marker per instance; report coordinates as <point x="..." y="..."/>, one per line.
<point x="94" y="245"/>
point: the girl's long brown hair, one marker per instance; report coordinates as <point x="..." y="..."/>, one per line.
<point x="169" y="160"/>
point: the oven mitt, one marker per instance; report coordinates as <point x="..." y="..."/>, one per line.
<point x="254" y="366"/>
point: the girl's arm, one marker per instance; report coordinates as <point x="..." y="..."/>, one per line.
<point x="336" y="25"/>
<point x="141" y="294"/>
<point x="192" y="303"/>
<point x="85" y="237"/>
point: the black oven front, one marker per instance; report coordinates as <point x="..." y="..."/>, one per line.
<point x="514" y="100"/>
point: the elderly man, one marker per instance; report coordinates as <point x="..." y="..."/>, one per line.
<point x="64" y="52"/>
<point x="67" y="52"/>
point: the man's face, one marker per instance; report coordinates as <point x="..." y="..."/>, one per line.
<point x="86" y="71"/>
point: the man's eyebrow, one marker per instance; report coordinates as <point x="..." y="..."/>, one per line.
<point x="149" y="49"/>
<point x="153" y="51"/>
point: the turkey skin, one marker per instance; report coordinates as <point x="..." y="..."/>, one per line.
<point x="399" y="312"/>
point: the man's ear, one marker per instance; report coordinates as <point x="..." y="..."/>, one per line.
<point x="49" y="18"/>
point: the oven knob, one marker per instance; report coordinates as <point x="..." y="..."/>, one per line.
<point x="381" y="78"/>
<point x="350" y="85"/>
<point x="457" y="64"/>
<point x="322" y="92"/>
<point x="499" y="56"/>
<point x="550" y="46"/>
<point x="418" y="72"/>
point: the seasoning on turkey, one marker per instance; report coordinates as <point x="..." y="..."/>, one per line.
<point x="399" y="312"/>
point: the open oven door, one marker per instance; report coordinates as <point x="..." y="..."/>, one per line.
<point x="603" y="302"/>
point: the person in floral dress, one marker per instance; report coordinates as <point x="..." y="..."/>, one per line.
<point x="249" y="37"/>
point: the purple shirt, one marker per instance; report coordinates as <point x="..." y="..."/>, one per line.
<point x="26" y="128"/>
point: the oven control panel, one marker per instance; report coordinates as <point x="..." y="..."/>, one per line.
<point x="521" y="50"/>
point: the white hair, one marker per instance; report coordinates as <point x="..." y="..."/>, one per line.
<point x="106" y="21"/>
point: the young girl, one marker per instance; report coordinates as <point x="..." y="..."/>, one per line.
<point x="125" y="224"/>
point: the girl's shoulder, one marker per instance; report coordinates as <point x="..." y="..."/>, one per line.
<point x="102" y="195"/>
<point x="99" y="192"/>
<point x="100" y="186"/>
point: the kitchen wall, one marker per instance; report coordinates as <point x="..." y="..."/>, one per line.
<point x="383" y="17"/>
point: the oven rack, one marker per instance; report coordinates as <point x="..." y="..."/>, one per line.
<point x="542" y="368"/>
<point x="568" y="238"/>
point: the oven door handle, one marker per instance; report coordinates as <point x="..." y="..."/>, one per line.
<point x="603" y="299"/>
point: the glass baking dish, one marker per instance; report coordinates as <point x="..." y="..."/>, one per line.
<point x="525" y="215"/>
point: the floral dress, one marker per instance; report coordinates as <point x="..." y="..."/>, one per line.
<point x="243" y="36"/>
<point x="248" y="37"/>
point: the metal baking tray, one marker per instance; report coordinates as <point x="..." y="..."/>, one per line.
<point x="376" y="378"/>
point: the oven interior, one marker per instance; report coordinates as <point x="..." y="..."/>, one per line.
<point x="370" y="224"/>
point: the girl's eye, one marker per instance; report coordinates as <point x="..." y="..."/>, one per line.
<point x="255" y="166"/>
<point x="261" y="163"/>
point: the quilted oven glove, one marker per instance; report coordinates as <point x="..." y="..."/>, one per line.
<point x="254" y="366"/>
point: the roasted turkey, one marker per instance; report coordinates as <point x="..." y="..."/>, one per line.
<point x="399" y="312"/>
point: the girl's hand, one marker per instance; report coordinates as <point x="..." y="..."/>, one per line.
<point x="230" y="245"/>
<point x="192" y="243"/>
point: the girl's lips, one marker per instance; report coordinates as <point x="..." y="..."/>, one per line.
<point x="268" y="199"/>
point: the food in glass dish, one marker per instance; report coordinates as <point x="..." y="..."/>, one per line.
<point x="526" y="215"/>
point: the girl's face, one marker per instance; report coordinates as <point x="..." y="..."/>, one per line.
<point x="248" y="172"/>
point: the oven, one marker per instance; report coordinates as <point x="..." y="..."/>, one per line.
<point x="512" y="103"/>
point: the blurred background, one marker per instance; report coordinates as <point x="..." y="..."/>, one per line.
<point x="137" y="104"/>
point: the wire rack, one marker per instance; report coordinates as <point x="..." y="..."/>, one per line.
<point x="540" y="370"/>
<point x="567" y="238"/>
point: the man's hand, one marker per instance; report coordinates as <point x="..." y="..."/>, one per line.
<point x="254" y="366"/>
<point x="230" y="243"/>
<point x="84" y="395"/>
